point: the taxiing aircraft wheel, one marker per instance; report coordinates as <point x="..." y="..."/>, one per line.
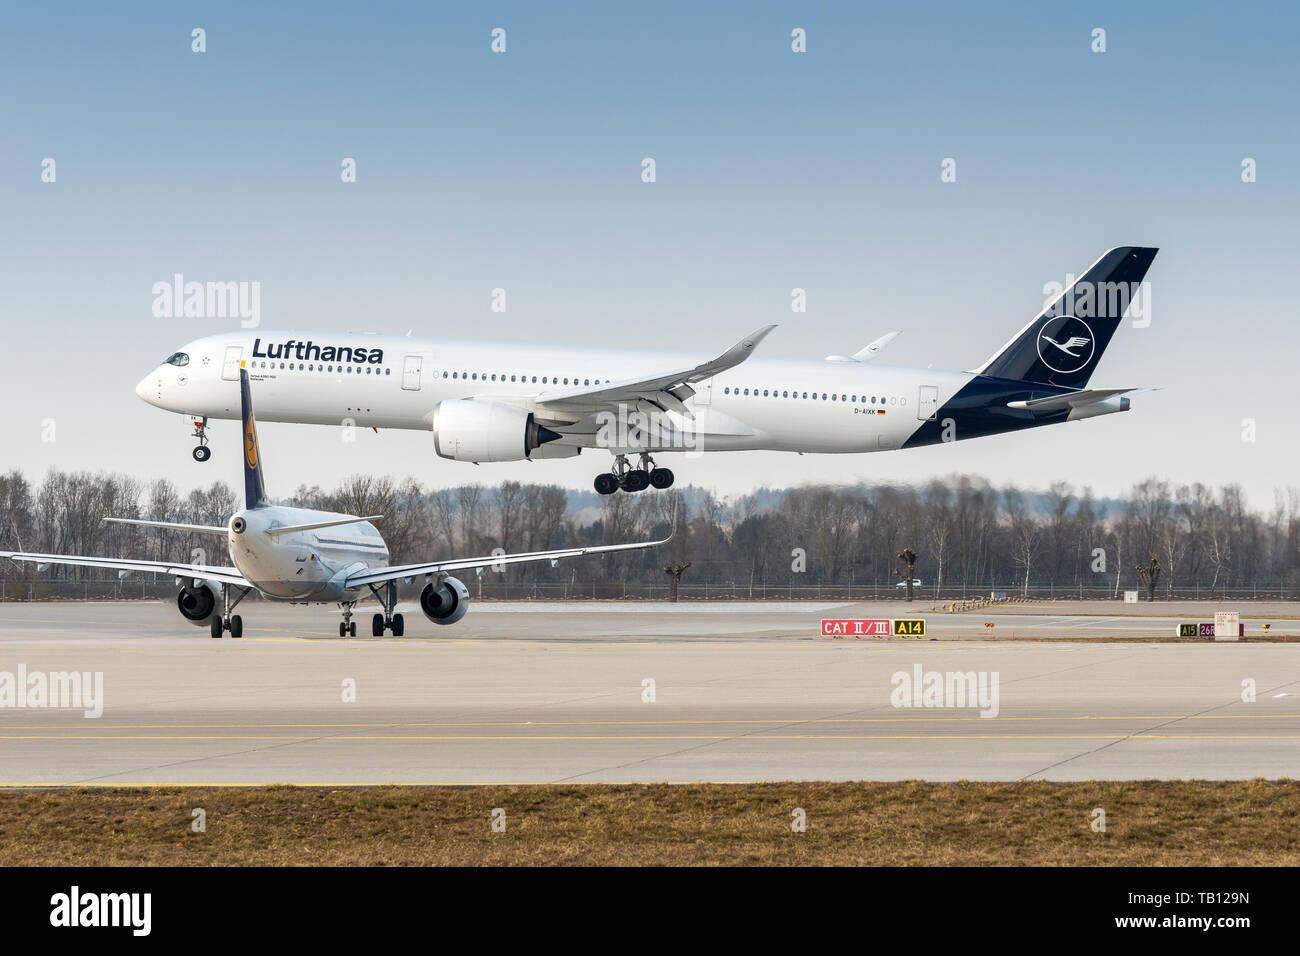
<point x="343" y="629"/>
<point x="399" y="625"/>
<point x="661" y="478"/>
<point x="236" y="626"/>
<point x="606" y="484"/>
<point x="202" y="453"/>
<point x="377" y="626"/>
<point x="216" y="627"/>
<point x="352" y="629"/>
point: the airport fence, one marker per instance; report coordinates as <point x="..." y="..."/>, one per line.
<point x="484" y="589"/>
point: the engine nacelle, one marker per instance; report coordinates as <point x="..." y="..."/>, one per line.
<point x="445" y="602"/>
<point x="198" y="605"/>
<point x="470" y="429"/>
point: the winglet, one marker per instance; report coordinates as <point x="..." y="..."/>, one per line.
<point x="254" y="490"/>
<point x="737" y="353"/>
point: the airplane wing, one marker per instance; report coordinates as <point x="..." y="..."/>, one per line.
<point x="666" y="392"/>
<point x="1055" y="403"/>
<point x="380" y="575"/>
<point x="224" y="575"/>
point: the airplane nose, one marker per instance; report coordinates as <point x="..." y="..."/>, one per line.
<point x="148" y="389"/>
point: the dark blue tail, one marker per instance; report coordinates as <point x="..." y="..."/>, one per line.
<point x="1064" y="343"/>
<point x="254" y="491"/>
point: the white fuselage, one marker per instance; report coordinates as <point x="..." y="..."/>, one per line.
<point x="764" y="403"/>
<point x="301" y="565"/>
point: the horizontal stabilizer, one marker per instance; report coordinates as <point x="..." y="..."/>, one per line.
<point x="1056" y="403"/>
<point x="174" y="525"/>
<point x="290" y="528"/>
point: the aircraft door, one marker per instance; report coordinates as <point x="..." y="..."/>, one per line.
<point x="230" y="364"/>
<point x="928" y="404"/>
<point x="411" y="372"/>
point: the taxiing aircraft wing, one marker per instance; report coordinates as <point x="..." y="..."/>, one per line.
<point x="1056" y="403"/>
<point x="380" y="575"/>
<point x="224" y="575"/>
<point x="666" y="392"/>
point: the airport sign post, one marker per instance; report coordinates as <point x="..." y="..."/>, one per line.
<point x="1227" y="625"/>
<point x="873" y="627"/>
<point x="1212" y="629"/>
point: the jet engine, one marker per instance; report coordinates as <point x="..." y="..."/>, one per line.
<point x="471" y="429"/>
<point x="445" y="602"/>
<point x="198" y="605"/>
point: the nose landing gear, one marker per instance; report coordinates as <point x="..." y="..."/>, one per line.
<point x="626" y="478"/>
<point x="201" y="452"/>
<point x="388" y="620"/>
<point x="347" y="626"/>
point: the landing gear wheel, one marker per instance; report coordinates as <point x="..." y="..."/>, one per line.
<point x="343" y="629"/>
<point x="606" y="484"/>
<point x="377" y="626"/>
<point x="236" y="626"/>
<point x="216" y="627"/>
<point x="399" y="625"/>
<point x="661" y="478"/>
<point x="638" y="479"/>
<point x="352" y="629"/>
<point x="202" y="453"/>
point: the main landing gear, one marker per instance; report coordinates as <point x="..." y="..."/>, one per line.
<point x="388" y="620"/>
<point x="228" y="622"/>
<point x="626" y="478"/>
<point x="201" y="452"/>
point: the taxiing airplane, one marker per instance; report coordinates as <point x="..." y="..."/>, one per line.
<point x="304" y="557"/>
<point x="488" y="402"/>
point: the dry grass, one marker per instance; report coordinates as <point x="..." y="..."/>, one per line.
<point x="912" y="823"/>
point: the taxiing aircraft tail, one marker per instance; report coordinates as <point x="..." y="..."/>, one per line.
<point x="1064" y="342"/>
<point x="254" y="490"/>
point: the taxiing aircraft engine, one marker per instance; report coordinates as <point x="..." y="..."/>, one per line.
<point x="198" y="605"/>
<point x="471" y="429"/>
<point x="445" y="602"/>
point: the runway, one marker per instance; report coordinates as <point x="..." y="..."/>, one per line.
<point x="519" y="694"/>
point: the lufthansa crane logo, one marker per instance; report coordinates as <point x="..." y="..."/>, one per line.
<point x="250" y="443"/>
<point x="1065" y="343"/>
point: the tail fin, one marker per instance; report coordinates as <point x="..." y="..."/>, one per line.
<point x="1063" y="344"/>
<point x="254" y="491"/>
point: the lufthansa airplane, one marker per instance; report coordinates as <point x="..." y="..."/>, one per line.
<point x="304" y="557"/>
<point x="493" y="402"/>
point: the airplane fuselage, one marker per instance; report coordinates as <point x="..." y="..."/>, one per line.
<point x="301" y="566"/>
<point x="776" y="404"/>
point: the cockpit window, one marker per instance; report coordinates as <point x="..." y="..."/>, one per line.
<point x="180" y="358"/>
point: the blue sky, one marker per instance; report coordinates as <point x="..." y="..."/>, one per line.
<point x="775" y="170"/>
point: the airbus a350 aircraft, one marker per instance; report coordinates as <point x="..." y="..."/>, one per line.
<point x="304" y="557"/>
<point x="492" y="402"/>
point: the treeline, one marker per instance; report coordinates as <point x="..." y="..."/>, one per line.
<point x="970" y="536"/>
